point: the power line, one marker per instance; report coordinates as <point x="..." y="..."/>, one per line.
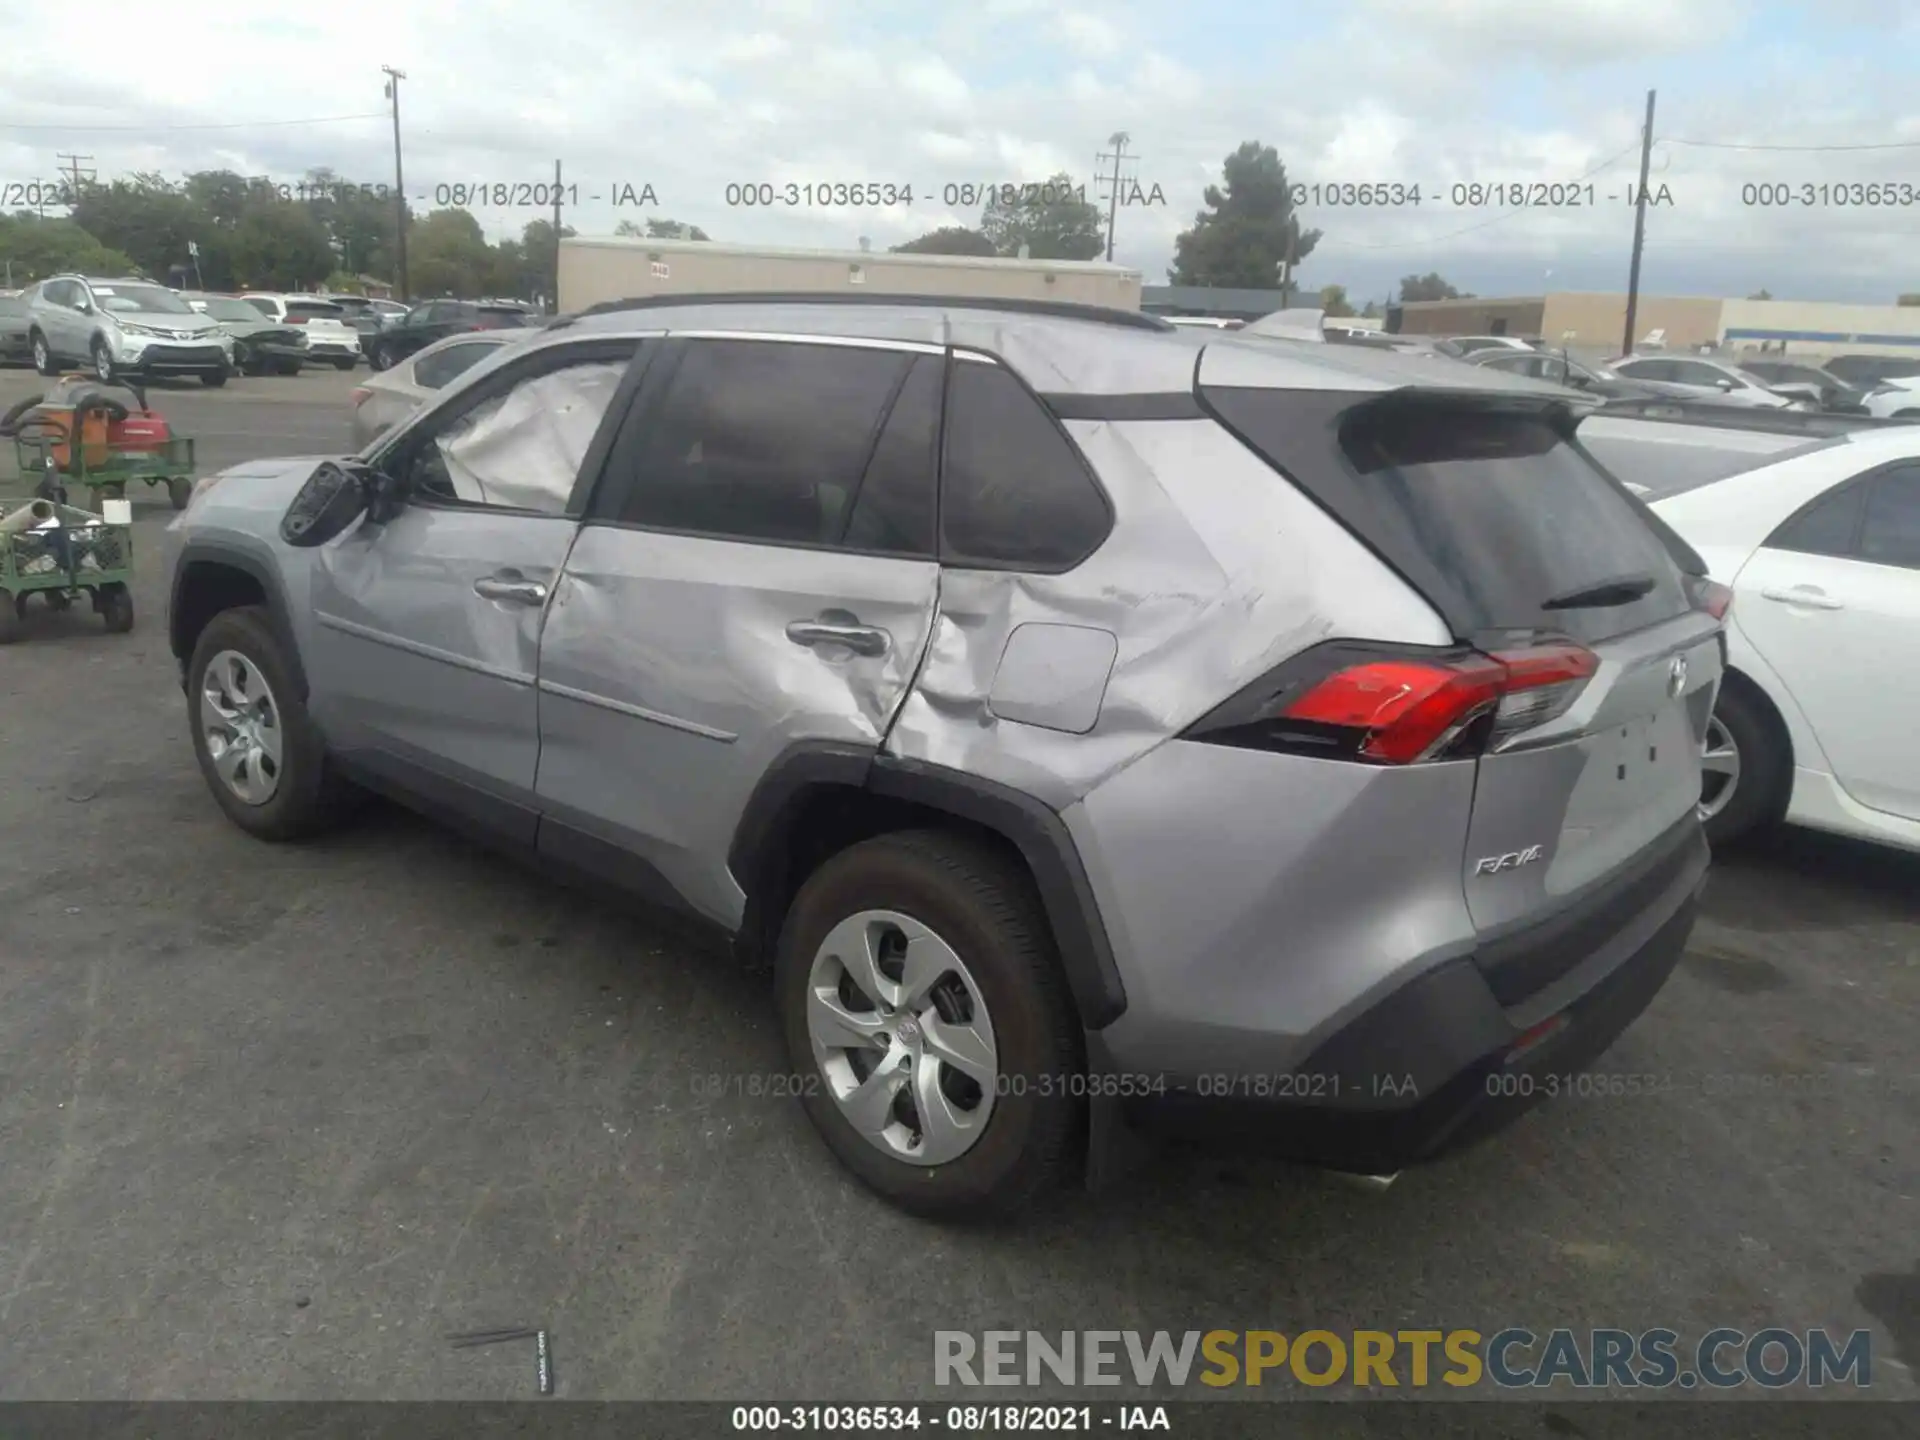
<point x="1804" y="149"/>
<point x="224" y="125"/>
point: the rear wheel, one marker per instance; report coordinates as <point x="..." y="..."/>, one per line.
<point x="257" y="749"/>
<point x="286" y="367"/>
<point x="179" y="491"/>
<point x="1745" y="767"/>
<point x="931" y="1029"/>
<point x="377" y="358"/>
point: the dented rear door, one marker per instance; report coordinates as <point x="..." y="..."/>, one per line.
<point x="757" y="573"/>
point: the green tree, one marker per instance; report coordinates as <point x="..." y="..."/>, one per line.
<point x="659" y="229"/>
<point x="1242" y="238"/>
<point x="1761" y="295"/>
<point x="146" y="216"/>
<point x="538" y="253"/>
<point x="1911" y="298"/>
<point x="1048" y="219"/>
<point x="448" y="254"/>
<point x="1333" y="301"/>
<point x="948" y="240"/>
<point x="1428" y="287"/>
<point x="274" y="247"/>
<point x="1371" y="311"/>
<point x="33" y="248"/>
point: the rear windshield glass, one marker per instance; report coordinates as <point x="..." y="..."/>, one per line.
<point x="504" y="314"/>
<point x="1488" y="510"/>
<point x="315" y="311"/>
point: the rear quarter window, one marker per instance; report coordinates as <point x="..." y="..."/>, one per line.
<point x="1015" y="493"/>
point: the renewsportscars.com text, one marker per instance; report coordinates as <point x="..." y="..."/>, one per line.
<point x="1511" y="1358"/>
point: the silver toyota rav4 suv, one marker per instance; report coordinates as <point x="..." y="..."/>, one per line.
<point x="1098" y="727"/>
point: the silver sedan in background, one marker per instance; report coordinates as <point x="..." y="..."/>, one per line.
<point x="387" y="397"/>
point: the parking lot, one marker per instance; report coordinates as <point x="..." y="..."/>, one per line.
<point x="275" y="1119"/>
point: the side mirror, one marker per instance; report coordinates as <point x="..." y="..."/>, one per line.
<point x="331" y="500"/>
<point x="85" y="307"/>
<point x="1724" y="383"/>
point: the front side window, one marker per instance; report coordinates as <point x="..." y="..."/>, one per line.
<point x="521" y="449"/>
<point x="1890" y="532"/>
<point x="767" y="441"/>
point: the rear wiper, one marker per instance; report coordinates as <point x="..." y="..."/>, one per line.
<point x="1607" y="593"/>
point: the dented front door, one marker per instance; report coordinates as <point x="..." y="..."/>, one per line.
<point x="675" y="669"/>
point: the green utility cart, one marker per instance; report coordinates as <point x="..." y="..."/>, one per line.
<point x="59" y="553"/>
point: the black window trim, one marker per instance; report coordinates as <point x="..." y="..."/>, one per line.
<point x="1863" y="481"/>
<point x="607" y="499"/>
<point x="965" y="352"/>
<point x="1860" y="532"/>
<point x="634" y="349"/>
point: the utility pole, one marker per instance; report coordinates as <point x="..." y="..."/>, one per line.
<point x="555" y="302"/>
<point x="74" y="179"/>
<point x="394" y="77"/>
<point x="1639" y="229"/>
<point x="1119" y="141"/>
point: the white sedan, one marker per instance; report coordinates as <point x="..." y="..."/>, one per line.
<point x="1818" y="716"/>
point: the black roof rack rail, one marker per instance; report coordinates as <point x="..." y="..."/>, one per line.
<point x="1060" y="309"/>
<point x="1731" y="417"/>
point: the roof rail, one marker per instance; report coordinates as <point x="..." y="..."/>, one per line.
<point x="1061" y="309"/>
<point x="1732" y="417"/>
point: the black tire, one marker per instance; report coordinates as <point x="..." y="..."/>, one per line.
<point x="104" y="370"/>
<point x="56" y="599"/>
<point x="311" y="797"/>
<point x="115" y="603"/>
<point x="286" y="367"/>
<point x="1761" y="789"/>
<point x="345" y="362"/>
<point x="213" y="379"/>
<point x="116" y="491"/>
<point x="378" y="359"/>
<point x="179" y="492"/>
<point x="44" y="360"/>
<point x="984" y="905"/>
<point x="12" y="616"/>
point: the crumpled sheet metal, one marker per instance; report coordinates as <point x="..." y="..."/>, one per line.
<point x="525" y="448"/>
<point x="1217" y="569"/>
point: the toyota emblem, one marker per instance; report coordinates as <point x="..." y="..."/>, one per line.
<point x="1677" y="675"/>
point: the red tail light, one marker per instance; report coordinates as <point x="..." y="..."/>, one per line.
<point x="1708" y="595"/>
<point x="359" y="397"/>
<point x="298" y="319"/>
<point x="1401" y="709"/>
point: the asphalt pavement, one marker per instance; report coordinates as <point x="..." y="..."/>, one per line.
<point x="275" y="1119"/>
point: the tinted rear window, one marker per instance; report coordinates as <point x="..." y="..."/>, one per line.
<point x="1490" y="511"/>
<point x="503" y="315"/>
<point x="314" y="311"/>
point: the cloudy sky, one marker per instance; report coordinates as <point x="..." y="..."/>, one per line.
<point x="692" y="97"/>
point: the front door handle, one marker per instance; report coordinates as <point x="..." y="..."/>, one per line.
<point x="861" y="639"/>
<point x="1803" y="595"/>
<point x="512" y="589"/>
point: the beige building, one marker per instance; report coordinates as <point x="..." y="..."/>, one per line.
<point x="597" y="269"/>
<point x="1591" y="321"/>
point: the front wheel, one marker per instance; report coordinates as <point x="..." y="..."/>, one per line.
<point x="378" y="359"/>
<point x="104" y="370"/>
<point x="345" y="362"/>
<point x="928" y="1026"/>
<point x="258" y="751"/>
<point x="213" y="379"/>
<point x="115" y="602"/>
<point x="1745" y="768"/>
<point x="42" y="354"/>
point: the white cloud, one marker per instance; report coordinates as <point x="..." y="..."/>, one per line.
<point x="692" y="98"/>
<point x="1088" y="34"/>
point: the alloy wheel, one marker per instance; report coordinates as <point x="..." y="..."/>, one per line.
<point x="1719" y="769"/>
<point x="902" y="1037"/>
<point x="240" y="726"/>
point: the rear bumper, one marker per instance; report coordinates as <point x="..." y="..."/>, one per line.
<point x="1436" y="1064"/>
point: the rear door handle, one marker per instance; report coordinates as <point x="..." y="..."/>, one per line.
<point x="861" y="639"/>
<point x="511" y="588"/>
<point x="1803" y="595"/>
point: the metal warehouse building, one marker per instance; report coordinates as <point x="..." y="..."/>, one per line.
<point x="596" y="269"/>
<point x="1598" y="321"/>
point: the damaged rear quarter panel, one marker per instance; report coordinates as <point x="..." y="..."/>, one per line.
<point x="1216" y="570"/>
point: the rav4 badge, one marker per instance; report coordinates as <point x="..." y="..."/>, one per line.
<point x="1512" y="860"/>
